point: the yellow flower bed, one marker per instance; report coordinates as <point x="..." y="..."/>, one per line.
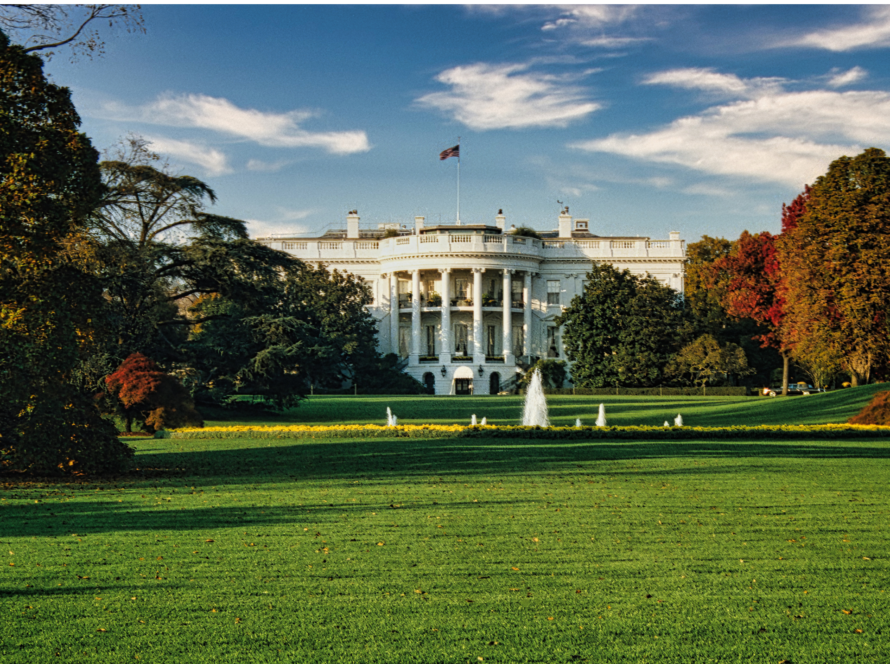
<point x="507" y="431"/>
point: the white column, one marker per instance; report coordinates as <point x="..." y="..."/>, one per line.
<point x="507" y="343"/>
<point x="527" y="315"/>
<point x="445" y="336"/>
<point x="394" y="312"/>
<point x="478" y="347"/>
<point x="415" y="317"/>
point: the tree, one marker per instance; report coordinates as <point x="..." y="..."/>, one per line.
<point x="525" y="231"/>
<point x="835" y="263"/>
<point x="754" y="281"/>
<point x="705" y="359"/>
<point x="622" y="330"/>
<point x="141" y="391"/>
<point x="553" y="373"/>
<point x="313" y="331"/>
<point x="44" y="28"/>
<point x="703" y="289"/>
<point x="49" y="181"/>
<point x="159" y="249"/>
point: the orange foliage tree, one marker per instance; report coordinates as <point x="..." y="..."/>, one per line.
<point x="143" y="392"/>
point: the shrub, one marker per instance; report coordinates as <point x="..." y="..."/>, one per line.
<point x="145" y="393"/>
<point x="876" y="412"/>
<point x="73" y="440"/>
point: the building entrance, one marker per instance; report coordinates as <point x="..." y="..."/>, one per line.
<point x="463" y="385"/>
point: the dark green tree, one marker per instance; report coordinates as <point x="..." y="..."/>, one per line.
<point x="158" y="250"/>
<point x="49" y="307"/>
<point x="313" y="332"/>
<point x="622" y="330"/>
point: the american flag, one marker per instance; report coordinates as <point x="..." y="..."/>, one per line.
<point x="450" y="152"/>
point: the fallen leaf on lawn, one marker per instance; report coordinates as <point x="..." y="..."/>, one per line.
<point x="549" y="617"/>
<point x="515" y="569"/>
<point x="101" y="630"/>
<point x="846" y="611"/>
<point x="209" y="540"/>
<point x="380" y="543"/>
<point x="858" y="631"/>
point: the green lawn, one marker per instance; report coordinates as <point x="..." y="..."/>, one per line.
<point x="824" y="408"/>
<point x="457" y="550"/>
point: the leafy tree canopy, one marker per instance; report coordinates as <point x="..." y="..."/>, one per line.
<point x="622" y="330"/>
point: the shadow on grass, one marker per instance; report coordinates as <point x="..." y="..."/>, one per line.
<point x="387" y="465"/>
<point x="388" y="460"/>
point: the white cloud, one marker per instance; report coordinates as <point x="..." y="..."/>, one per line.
<point x="708" y="80"/>
<point x="484" y="96"/>
<point x="282" y="223"/>
<point x="211" y="160"/>
<point x="591" y="16"/>
<point x="280" y="130"/>
<point x="839" y="79"/>
<point x="266" y="166"/>
<point x="778" y="136"/>
<point x="612" y="42"/>
<point x="873" y="32"/>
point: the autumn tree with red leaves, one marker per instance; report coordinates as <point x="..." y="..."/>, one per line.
<point x="143" y="392"/>
<point x="753" y="289"/>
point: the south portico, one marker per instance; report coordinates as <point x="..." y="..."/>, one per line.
<point x="476" y="318"/>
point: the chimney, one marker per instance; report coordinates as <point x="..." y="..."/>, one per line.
<point x="565" y="224"/>
<point x="676" y="243"/>
<point x="501" y="220"/>
<point x="418" y="224"/>
<point x="352" y="224"/>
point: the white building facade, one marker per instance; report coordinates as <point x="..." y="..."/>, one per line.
<point x="468" y="306"/>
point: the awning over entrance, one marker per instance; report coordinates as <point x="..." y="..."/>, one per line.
<point x="463" y="381"/>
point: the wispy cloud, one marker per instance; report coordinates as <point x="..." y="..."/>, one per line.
<point x="284" y="221"/>
<point x="872" y="32"/>
<point x="266" y="166"/>
<point x="484" y="96"/>
<point x="586" y="25"/>
<point x="708" y="80"/>
<point x="777" y="136"/>
<point x="590" y="16"/>
<point x="839" y="79"/>
<point x="279" y="130"/>
<point x="210" y="159"/>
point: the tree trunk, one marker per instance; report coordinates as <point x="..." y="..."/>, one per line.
<point x="786" y="360"/>
<point x="129" y="424"/>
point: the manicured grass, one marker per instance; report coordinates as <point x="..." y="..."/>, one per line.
<point x="831" y="407"/>
<point x="464" y="550"/>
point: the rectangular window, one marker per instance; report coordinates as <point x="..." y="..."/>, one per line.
<point x="460" y="289"/>
<point x="429" y="286"/>
<point x="490" y="340"/>
<point x="516" y="287"/>
<point x="430" y="339"/>
<point x="552" y="342"/>
<point x="404" y="341"/>
<point x="460" y="339"/>
<point x="518" y="340"/>
<point x="552" y="292"/>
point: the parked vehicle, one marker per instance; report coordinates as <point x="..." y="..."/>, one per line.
<point x="794" y="390"/>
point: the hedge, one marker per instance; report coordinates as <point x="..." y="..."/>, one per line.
<point x="740" y="391"/>
<point x="785" y="432"/>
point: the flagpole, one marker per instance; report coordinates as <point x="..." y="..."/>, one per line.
<point x="458" y="180"/>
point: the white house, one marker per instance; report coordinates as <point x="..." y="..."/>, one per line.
<point x="467" y="305"/>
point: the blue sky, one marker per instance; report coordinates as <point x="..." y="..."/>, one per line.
<point x="644" y="119"/>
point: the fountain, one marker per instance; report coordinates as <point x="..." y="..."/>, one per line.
<point x="678" y="420"/>
<point x="601" y="418"/>
<point x="391" y="420"/>
<point x="484" y="421"/>
<point x="473" y="420"/>
<point x="535" y="411"/>
<point x="578" y="423"/>
<point x="666" y="423"/>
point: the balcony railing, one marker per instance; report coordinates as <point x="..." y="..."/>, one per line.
<point x="478" y="244"/>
